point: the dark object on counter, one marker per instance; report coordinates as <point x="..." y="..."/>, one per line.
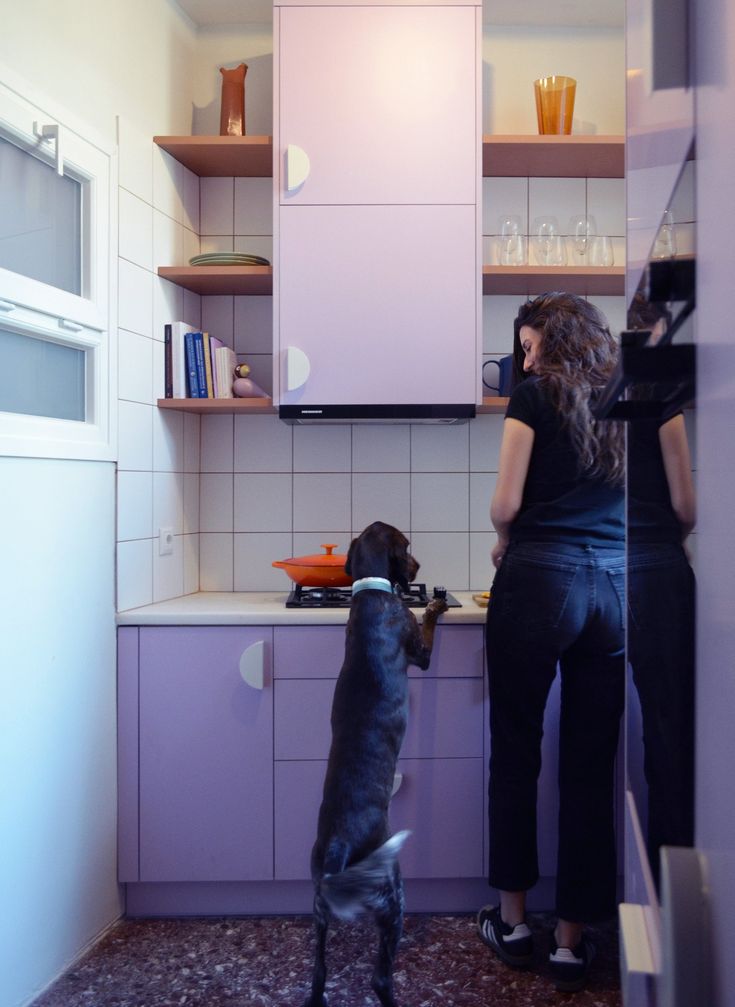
<point x="335" y="597"/>
<point x="354" y="862"/>
<point x="232" y="108"/>
<point x="501" y="381"/>
<point x="317" y="570"/>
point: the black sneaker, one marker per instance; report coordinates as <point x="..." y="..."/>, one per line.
<point x="514" y="945"/>
<point x="569" y="966"/>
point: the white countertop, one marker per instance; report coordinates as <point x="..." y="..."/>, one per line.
<point x="254" y="608"/>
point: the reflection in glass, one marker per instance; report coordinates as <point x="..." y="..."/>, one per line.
<point x="661" y="582"/>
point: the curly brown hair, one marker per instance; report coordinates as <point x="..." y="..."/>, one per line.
<point x="577" y="356"/>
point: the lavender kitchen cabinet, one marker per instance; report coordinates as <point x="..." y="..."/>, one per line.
<point x="440" y="780"/>
<point x="196" y="754"/>
<point x="377" y="174"/>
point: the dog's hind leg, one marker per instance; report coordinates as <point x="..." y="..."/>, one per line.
<point x="319" y="976"/>
<point x="389" y="918"/>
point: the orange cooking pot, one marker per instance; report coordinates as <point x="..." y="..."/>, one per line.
<point x="319" y="570"/>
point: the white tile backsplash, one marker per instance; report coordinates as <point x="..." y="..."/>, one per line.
<point x="444" y="559"/>
<point x="216" y="501"/>
<point x="253" y="325"/>
<point x="217" y="443"/>
<point x="217" y="200"/>
<point x="168" y="306"/>
<point x="216" y="564"/>
<point x="253" y="206"/>
<point x="504" y="197"/>
<point x="135" y="439"/>
<point x="498" y="314"/>
<point x="381" y="497"/>
<point x="134" y="574"/>
<point x="255" y="554"/>
<point x="439" y="501"/>
<point x="135" y="292"/>
<point x="168" y="441"/>
<point x="192" y="482"/>
<point x="482" y="487"/>
<point x="381" y="448"/>
<point x="263" y="502"/>
<point x="135" y="366"/>
<point x="217" y="318"/>
<point x="168" y="241"/>
<point x="135" y="230"/>
<point x="168" y="181"/>
<point x="606" y="202"/>
<point x="481" y="567"/>
<point x="263" y="444"/>
<point x="440" y="448"/>
<point x="168" y="571"/>
<point x="134" y="505"/>
<point x="322" y="500"/>
<point x="486" y="433"/>
<point x="558" y="197"/>
<point x="168" y="502"/>
<point x="322" y="449"/>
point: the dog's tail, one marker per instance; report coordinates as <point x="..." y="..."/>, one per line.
<point x="355" y="888"/>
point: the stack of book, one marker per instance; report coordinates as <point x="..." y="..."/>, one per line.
<point x="197" y="365"/>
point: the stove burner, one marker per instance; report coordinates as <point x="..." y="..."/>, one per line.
<point x="341" y="597"/>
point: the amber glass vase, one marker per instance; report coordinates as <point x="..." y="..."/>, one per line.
<point x="555" y="103"/>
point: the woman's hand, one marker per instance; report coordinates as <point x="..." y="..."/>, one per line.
<point x="498" y="551"/>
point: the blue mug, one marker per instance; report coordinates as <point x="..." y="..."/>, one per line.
<point x="502" y="382"/>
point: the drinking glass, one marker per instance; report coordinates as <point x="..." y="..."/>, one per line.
<point x="582" y="229"/>
<point x="548" y="245"/>
<point x="664" y="247"/>
<point x="601" y="251"/>
<point x="511" y="242"/>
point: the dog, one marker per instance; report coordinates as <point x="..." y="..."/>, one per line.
<point x="354" y="862"/>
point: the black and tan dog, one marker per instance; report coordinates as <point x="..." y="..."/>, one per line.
<point x="354" y="860"/>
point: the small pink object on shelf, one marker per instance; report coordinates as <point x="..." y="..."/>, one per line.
<point x="232" y="108"/>
<point x="245" y="388"/>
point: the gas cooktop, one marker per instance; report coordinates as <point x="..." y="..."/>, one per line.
<point x="417" y="596"/>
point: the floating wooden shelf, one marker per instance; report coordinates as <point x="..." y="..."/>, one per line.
<point x="218" y="156"/>
<point x="493" y="404"/>
<point x="554" y="156"/>
<point x="221" y="279"/>
<point x="599" y="280"/>
<point x="251" y="407"/>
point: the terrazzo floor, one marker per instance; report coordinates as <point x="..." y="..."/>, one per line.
<point x="266" y="962"/>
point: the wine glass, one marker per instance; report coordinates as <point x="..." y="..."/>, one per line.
<point x="664" y="247"/>
<point x="511" y="242"/>
<point x="601" y="251"/>
<point x="582" y="228"/>
<point x="547" y="245"/>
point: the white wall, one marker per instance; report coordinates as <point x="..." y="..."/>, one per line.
<point x="57" y="717"/>
<point x="57" y="531"/>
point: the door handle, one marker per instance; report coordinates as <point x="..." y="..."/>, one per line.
<point x="297" y="167"/>
<point x="298" y="368"/>
<point x="252" y="665"/>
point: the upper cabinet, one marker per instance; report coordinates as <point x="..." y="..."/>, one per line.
<point x="369" y="218"/>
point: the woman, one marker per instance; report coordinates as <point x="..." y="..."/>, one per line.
<point x="557" y="598"/>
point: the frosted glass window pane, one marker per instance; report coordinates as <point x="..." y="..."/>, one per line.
<point x="40" y="220"/>
<point x="41" y="378"/>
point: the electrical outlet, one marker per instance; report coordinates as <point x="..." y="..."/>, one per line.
<point x="165" y="541"/>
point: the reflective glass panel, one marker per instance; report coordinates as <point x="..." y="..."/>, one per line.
<point x="41" y="378"/>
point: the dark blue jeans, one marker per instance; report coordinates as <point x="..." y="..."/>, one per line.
<point x="661" y="618"/>
<point x="557" y="605"/>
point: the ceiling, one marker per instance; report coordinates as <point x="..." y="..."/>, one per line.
<point x="541" y="13"/>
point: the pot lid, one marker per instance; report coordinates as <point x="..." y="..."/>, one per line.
<point x="319" y="559"/>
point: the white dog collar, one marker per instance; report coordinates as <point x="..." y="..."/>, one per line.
<point x="372" y="584"/>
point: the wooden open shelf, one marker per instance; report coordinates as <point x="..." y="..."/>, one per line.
<point x="599" y="280"/>
<point x="218" y="156"/>
<point x="251" y="407"/>
<point x="221" y="279"/>
<point x="493" y="404"/>
<point x="553" y="156"/>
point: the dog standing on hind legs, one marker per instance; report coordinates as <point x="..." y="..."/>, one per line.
<point x="354" y="861"/>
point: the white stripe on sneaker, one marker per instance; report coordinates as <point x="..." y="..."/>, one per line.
<point x="567" y="956"/>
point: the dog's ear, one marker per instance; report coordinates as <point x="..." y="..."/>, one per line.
<point x="402" y="564"/>
<point x="348" y="561"/>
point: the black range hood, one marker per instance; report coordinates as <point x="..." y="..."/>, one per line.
<point x="408" y="413"/>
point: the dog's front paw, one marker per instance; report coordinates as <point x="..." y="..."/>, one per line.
<point x="436" y="606"/>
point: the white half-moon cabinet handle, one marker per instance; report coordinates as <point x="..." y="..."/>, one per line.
<point x="252" y="665"/>
<point x="397" y="781"/>
<point x="298" y="368"/>
<point x="298" y="167"/>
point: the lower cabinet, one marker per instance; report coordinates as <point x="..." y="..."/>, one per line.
<point x="440" y="779"/>
<point x="223" y="739"/>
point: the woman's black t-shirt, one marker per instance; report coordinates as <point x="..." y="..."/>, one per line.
<point x="559" y="503"/>
<point x="651" y="517"/>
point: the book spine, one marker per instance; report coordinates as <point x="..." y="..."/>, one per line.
<point x="168" y="369"/>
<point x="199" y="360"/>
<point x="207" y="354"/>
<point x="191" y="367"/>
